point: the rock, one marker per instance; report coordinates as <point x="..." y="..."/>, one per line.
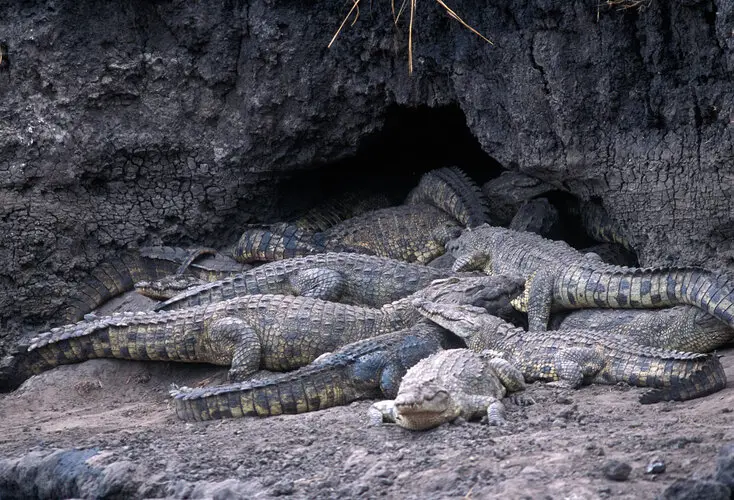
<point x="656" y="466"/>
<point x="283" y="488"/>
<point x="616" y="470"/>
<point x="725" y="466"/>
<point x="690" y="489"/>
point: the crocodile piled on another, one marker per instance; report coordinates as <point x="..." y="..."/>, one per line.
<point x="341" y="277"/>
<point x="559" y="277"/>
<point x="338" y="209"/>
<point x="365" y="369"/>
<point x="681" y="328"/>
<point x="190" y="266"/>
<point x="508" y="192"/>
<point x="448" y="385"/>
<point x="444" y="202"/>
<point x="276" y="332"/>
<point x="570" y="358"/>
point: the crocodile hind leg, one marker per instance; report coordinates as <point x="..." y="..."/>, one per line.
<point x="235" y="341"/>
<point x="569" y="367"/>
<point x="319" y="283"/>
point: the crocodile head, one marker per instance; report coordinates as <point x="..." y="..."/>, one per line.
<point x="470" y="251"/>
<point x="422" y="404"/>
<point x="472" y="324"/>
<point x="491" y="293"/>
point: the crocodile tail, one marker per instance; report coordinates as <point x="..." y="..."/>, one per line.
<point x="106" y="281"/>
<point x="276" y="242"/>
<point x="42" y="353"/>
<point x="122" y="336"/>
<point x="17" y="368"/>
<point x="309" y="389"/>
<point x="599" y="225"/>
<point x="645" y="288"/>
<point x="451" y="190"/>
<point x="111" y="279"/>
<point x="707" y="378"/>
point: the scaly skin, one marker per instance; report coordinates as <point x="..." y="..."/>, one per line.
<point x="681" y="328"/>
<point x="443" y="203"/>
<point x="559" y="277"/>
<point x="570" y="358"/>
<point x="364" y="369"/>
<point x="448" y="385"/>
<point x="506" y="193"/>
<point x="276" y="332"/>
<point x="452" y="191"/>
<point x="344" y="277"/>
<point x="612" y="253"/>
<point x="599" y="225"/>
<point x="338" y="209"/>
<point x="150" y="263"/>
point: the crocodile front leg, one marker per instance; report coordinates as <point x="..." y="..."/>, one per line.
<point x="233" y="340"/>
<point x="539" y="299"/>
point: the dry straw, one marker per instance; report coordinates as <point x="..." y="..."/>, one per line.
<point x="396" y="17"/>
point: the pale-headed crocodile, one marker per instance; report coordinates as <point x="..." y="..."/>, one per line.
<point x="448" y="385"/>
<point x="569" y="358"/>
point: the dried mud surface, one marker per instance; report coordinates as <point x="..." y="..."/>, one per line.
<point x="556" y="448"/>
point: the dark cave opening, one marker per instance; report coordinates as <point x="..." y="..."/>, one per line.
<point x="411" y="142"/>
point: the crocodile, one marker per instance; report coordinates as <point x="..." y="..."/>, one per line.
<point x="369" y="368"/>
<point x="681" y="328"/>
<point x="196" y="265"/>
<point x="538" y="216"/>
<point x="560" y="277"/>
<point x="506" y="194"/>
<point x="570" y="358"/>
<point x="340" y="208"/>
<point x="599" y="225"/>
<point x="612" y="253"/>
<point x="444" y="202"/>
<point x="339" y="276"/>
<point x="275" y="332"/>
<point x="448" y="385"/>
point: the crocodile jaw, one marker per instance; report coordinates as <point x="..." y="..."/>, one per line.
<point x="424" y="406"/>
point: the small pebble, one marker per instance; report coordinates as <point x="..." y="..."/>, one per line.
<point x="616" y="470"/>
<point x="656" y="466"/>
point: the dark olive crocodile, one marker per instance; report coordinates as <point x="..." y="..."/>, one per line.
<point x="340" y="208"/>
<point x="444" y="202"/>
<point x="144" y="266"/>
<point x="343" y="277"/>
<point x="599" y="225"/>
<point x="682" y="328"/>
<point x="364" y="369"/>
<point x="570" y="358"/>
<point x="559" y="277"/>
<point x="277" y="332"/>
<point x="508" y="192"/>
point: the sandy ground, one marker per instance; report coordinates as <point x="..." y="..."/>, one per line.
<point x="556" y="448"/>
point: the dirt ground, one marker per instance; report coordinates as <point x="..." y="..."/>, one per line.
<point x="556" y="448"/>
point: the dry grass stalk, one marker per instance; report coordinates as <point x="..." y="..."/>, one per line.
<point x="628" y="4"/>
<point x="396" y="16"/>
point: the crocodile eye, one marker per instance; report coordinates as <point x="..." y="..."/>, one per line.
<point x="438" y="395"/>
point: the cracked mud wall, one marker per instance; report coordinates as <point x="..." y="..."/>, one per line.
<point x="130" y="123"/>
